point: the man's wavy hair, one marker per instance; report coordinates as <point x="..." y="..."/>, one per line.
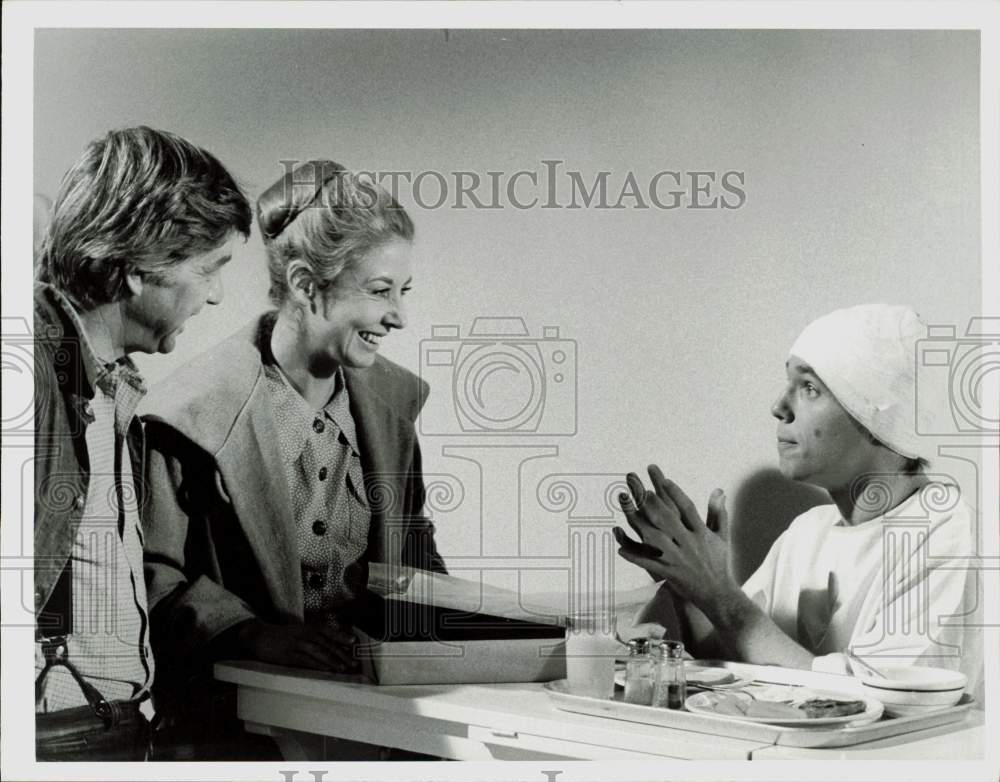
<point x="138" y="200"/>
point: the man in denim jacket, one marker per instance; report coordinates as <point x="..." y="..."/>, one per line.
<point x="141" y="227"/>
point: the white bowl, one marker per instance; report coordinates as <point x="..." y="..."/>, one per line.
<point x="908" y="690"/>
<point x="898" y="710"/>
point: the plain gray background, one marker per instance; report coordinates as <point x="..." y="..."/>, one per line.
<point x="861" y="158"/>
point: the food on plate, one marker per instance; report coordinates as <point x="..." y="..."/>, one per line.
<point x="741" y="704"/>
<point x="709" y="677"/>
<point x="777" y="693"/>
<point x="773" y="711"/>
<point x="735" y="705"/>
<point x="729" y="706"/>
<point x="820" y="708"/>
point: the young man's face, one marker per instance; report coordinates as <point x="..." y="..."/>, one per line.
<point x="818" y="441"/>
<point x="156" y="314"/>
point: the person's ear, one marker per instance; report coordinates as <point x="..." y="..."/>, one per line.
<point x="134" y="282"/>
<point x="301" y="284"/>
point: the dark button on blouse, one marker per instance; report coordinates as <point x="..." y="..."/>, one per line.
<point x="322" y="473"/>
<point x="318" y="425"/>
<point x="319" y="527"/>
<point x="316" y="580"/>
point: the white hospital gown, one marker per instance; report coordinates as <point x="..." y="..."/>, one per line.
<point x="900" y="588"/>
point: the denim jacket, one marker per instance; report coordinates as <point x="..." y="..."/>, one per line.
<point x="63" y="396"/>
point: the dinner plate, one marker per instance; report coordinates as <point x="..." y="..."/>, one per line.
<point x="702" y="676"/>
<point x="704" y="703"/>
<point x="692" y="673"/>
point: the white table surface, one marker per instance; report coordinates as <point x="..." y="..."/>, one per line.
<point x="511" y="721"/>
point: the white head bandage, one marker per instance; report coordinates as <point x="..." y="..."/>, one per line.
<point x="866" y="356"/>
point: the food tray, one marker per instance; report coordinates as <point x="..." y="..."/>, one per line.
<point x="811" y="737"/>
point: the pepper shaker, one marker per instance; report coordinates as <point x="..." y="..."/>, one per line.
<point x="670" y="688"/>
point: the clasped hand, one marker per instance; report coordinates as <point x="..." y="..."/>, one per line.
<point x="675" y="545"/>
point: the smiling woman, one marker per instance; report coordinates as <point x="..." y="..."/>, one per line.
<point x="355" y="310"/>
<point x="278" y="459"/>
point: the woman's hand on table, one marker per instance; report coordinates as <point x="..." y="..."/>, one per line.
<point x="299" y="645"/>
<point x="675" y="545"/>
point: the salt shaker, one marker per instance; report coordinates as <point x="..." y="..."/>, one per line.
<point x="670" y="688"/>
<point x="639" y="673"/>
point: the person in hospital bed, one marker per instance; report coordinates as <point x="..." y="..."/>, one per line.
<point x="885" y="571"/>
